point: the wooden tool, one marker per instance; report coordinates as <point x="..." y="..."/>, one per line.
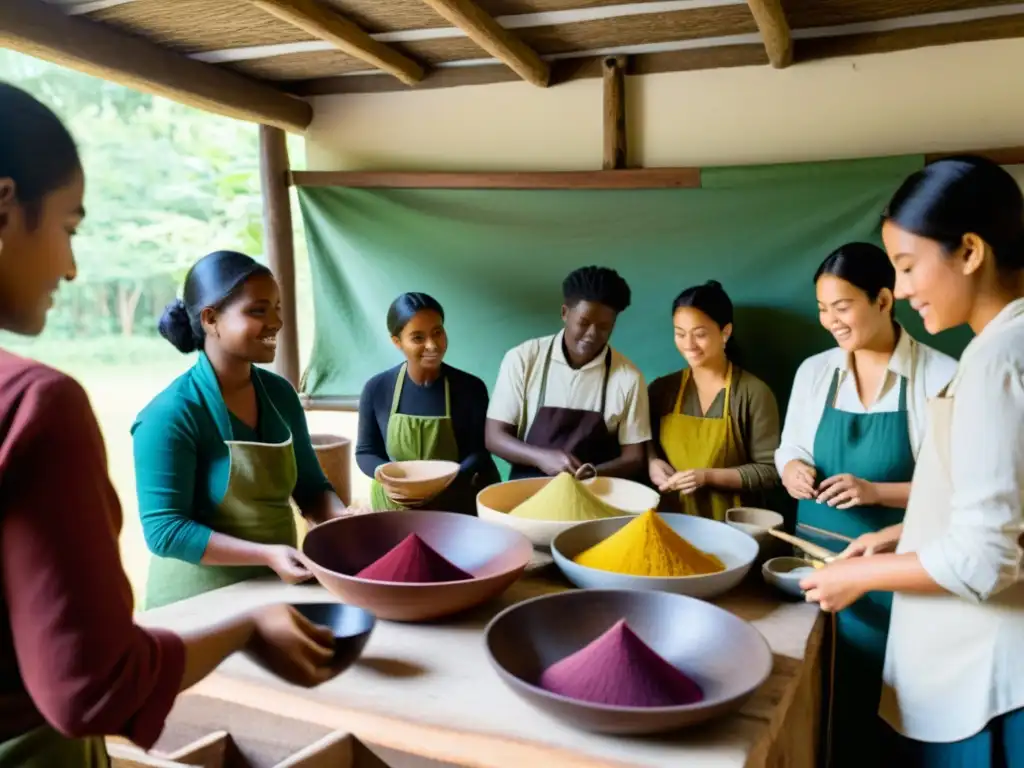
<point x="823" y="532"/>
<point x="825" y="555"/>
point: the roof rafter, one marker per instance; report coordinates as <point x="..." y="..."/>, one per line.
<point x="483" y="30"/>
<point x="344" y="35"/>
<point x="774" y="28"/>
<point x="46" y="32"/>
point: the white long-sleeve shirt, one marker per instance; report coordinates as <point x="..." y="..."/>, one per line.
<point x="927" y="372"/>
<point x="980" y="554"/>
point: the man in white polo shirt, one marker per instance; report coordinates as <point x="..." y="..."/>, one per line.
<point x="567" y="400"/>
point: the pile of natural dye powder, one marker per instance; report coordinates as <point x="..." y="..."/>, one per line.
<point x="620" y="669"/>
<point x="565" y="499"/>
<point x="413" y="561"/>
<point x="647" y="546"/>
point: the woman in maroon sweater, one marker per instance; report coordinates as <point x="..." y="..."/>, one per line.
<point x="74" y="666"/>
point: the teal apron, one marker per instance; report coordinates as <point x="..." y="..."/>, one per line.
<point x="256" y="506"/>
<point x="874" y="447"/>
<point x="415" y="438"/>
<point x="44" y="747"/>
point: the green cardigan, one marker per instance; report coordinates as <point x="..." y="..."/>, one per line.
<point x="182" y="461"/>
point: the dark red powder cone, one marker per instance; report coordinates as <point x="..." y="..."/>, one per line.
<point x="620" y="669"/>
<point x="413" y="561"/>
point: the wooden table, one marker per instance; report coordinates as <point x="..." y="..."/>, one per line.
<point x="428" y="690"/>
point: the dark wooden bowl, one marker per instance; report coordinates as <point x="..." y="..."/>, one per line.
<point x="351" y="626"/>
<point x="495" y="555"/>
<point x="725" y="655"/>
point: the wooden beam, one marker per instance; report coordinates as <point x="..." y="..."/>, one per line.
<point x="771" y="21"/>
<point x="42" y="30"/>
<point x="280" y="245"/>
<point x="631" y="178"/>
<point x="614" y="68"/>
<point x="483" y="30"/>
<point x="319" y="21"/>
<point x="1001" y="155"/>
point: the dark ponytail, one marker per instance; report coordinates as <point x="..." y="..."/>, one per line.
<point x="959" y="195"/>
<point x="405" y="307"/>
<point x="711" y="299"/>
<point x="211" y="283"/>
<point x="864" y="266"/>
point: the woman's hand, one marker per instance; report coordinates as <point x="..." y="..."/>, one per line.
<point x="289" y="645"/>
<point x="876" y="543"/>
<point x="846" y="492"/>
<point x="686" y="482"/>
<point x="660" y="472"/>
<point x="798" y="479"/>
<point x="835" y="586"/>
<point x="287" y="563"/>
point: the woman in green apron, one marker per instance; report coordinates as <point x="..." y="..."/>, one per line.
<point x="424" y="409"/>
<point x="74" y="667"/>
<point x="718" y="425"/>
<point x="224" y="450"/>
<point x="851" y="470"/>
<point x="953" y="679"/>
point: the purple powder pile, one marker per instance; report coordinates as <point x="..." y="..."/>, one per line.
<point x="413" y="561"/>
<point x="620" y="669"/>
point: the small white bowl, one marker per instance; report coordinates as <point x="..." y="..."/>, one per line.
<point x="786" y="573"/>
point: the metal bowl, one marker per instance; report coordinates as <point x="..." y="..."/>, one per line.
<point x="495" y="555"/>
<point x="725" y="655"/>
<point x="495" y="502"/>
<point x="350" y="625"/>
<point x="734" y="548"/>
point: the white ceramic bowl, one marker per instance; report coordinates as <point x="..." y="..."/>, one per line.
<point x="734" y="548"/>
<point x="496" y="501"/>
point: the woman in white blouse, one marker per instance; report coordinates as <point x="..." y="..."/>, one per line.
<point x="852" y="432"/>
<point x="954" y="665"/>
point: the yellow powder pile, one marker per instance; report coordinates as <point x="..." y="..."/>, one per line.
<point x="647" y="546"/>
<point x="565" y="499"/>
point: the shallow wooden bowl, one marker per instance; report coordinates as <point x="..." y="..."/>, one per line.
<point x="734" y="548"/>
<point x="725" y="655"/>
<point x="495" y="502"/>
<point x="416" y="481"/>
<point x="495" y="555"/>
<point x="350" y="625"/>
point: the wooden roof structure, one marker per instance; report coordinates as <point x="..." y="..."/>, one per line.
<point x="259" y="59"/>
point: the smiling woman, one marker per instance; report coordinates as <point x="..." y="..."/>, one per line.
<point x="220" y="453"/>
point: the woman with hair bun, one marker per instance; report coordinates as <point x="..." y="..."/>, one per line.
<point x="856" y="421"/>
<point x="220" y="453"/>
<point x="74" y="665"/>
<point x="424" y="409"/>
<point x="953" y="677"/>
<point x="718" y="425"/>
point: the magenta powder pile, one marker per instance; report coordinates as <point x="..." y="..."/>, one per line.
<point x="620" y="669"/>
<point x="413" y="561"/>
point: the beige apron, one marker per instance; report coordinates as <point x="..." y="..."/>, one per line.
<point x="943" y="678"/>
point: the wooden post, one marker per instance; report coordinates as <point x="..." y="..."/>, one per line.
<point x="279" y="245"/>
<point x="614" y="69"/>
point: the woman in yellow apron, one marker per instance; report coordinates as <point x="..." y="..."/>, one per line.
<point x="953" y="678"/>
<point x="74" y="667"/>
<point x="223" y="451"/>
<point x="424" y="409"/>
<point x="717" y="424"/>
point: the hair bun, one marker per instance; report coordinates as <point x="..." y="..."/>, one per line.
<point x="713" y="284"/>
<point x="176" y="327"/>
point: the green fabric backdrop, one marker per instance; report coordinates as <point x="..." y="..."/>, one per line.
<point x="496" y="259"/>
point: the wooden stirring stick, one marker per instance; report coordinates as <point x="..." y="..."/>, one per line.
<point x="825" y="555"/>
<point x="823" y="532"/>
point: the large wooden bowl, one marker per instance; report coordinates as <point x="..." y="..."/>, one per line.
<point x="735" y="549"/>
<point x="496" y="556"/>
<point x="495" y="502"/>
<point x="725" y="655"/>
<point x="413" y="482"/>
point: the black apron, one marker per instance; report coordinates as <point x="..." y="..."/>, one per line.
<point x="578" y="431"/>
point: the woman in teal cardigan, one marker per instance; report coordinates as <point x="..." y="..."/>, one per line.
<point x="221" y="453"/>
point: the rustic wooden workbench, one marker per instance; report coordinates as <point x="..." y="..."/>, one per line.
<point x="429" y="691"/>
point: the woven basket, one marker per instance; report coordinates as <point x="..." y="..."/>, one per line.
<point x="335" y="456"/>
